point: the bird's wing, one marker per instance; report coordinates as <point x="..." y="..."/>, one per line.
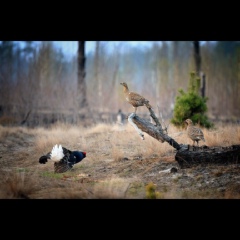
<point x="66" y="151"/>
<point x="198" y="132"/>
<point x="135" y="96"/>
<point x="67" y="154"/>
<point x="61" y="167"/>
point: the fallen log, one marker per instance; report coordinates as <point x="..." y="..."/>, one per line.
<point x="186" y="155"/>
<point x="191" y="156"/>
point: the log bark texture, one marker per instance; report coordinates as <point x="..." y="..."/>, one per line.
<point x="191" y="156"/>
<point x="155" y="131"/>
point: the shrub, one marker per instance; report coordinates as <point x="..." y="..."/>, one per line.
<point x="191" y="105"/>
<point x="151" y="191"/>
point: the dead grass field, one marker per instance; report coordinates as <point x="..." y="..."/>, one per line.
<point x="119" y="165"/>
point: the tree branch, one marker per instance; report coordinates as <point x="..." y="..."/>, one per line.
<point x="155" y="131"/>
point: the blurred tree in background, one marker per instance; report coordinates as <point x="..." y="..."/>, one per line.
<point x="39" y="82"/>
<point x="82" y="98"/>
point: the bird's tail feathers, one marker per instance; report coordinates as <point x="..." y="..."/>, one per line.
<point x="56" y="153"/>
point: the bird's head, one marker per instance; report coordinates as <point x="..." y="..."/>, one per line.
<point x="188" y="121"/>
<point x="79" y="155"/>
<point x="124" y="84"/>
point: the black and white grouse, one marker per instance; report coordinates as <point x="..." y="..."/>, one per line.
<point x="63" y="158"/>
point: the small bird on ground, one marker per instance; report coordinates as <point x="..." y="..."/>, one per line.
<point x="193" y="132"/>
<point x="134" y="99"/>
<point x="63" y="158"/>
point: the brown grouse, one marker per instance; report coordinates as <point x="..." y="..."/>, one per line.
<point x="134" y="99"/>
<point x="193" y="132"/>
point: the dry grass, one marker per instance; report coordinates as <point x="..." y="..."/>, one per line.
<point x="221" y="135"/>
<point x="113" y="154"/>
<point x="18" y="184"/>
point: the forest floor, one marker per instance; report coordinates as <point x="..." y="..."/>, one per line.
<point x="119" y="165"/>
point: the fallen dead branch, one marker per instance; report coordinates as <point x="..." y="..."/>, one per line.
<point x="186" y="155"/>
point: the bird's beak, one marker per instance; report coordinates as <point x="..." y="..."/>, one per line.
<point x="121" y="83"/>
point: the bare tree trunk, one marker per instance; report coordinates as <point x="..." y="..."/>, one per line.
<point x="203" y="85"/>
<point x="82" y="98"/>
<point x="115" y="72"/>
<point x="197" y="57"/>
<point x="96" y="73"/>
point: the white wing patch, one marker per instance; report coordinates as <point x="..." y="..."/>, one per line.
<point x="56" y="153"/>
